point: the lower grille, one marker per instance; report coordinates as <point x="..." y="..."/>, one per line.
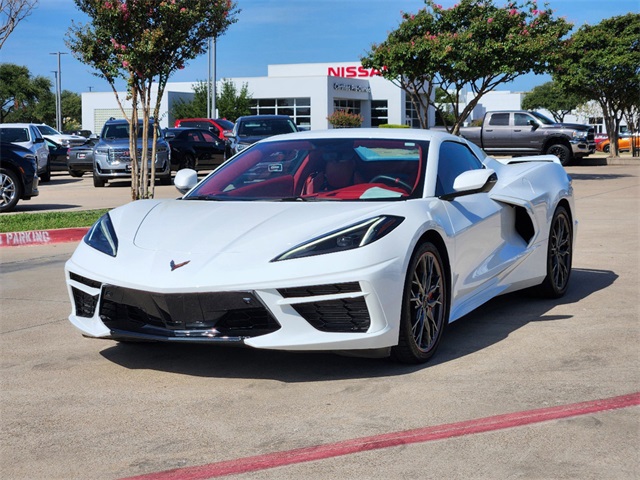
<point x="233" y="314"/>
<point x="85" y="303"/>
<point x="347" y="315"/>
<point x="310" y="291"/>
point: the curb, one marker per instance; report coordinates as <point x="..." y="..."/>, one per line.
<point x="595" y="161"/>
<point x="42" y="237"/>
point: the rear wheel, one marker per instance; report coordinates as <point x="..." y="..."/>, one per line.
<point x="559" y="255"/>
<point x="188" y="162"/>
<point x="425" y="307"/>
<point x="561" y="151"/>
<point x="46" y="176"/>
<point x="10" y="190"/>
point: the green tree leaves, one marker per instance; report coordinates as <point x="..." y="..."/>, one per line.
<point x="474" y="45"/>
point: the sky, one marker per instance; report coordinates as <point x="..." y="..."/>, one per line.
<point x="267" y="32"/>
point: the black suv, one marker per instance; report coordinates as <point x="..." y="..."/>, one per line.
<point x="248" y="130"/>
<point x="18" y="177"/>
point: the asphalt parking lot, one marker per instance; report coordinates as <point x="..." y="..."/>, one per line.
<point x="77" y="408"/>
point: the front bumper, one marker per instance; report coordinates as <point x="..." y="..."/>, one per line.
<point x="582" y="148"/>
<point x="342" y="315"/>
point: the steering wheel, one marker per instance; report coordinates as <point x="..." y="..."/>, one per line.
<point x="391" y="181"/>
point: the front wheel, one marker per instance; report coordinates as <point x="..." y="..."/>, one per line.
<point x="10" y="190"/>
<point x="425" y="307"/>
<point x="97" y="181"/>
<point x="188" y="161"/>
<point x="559" y="255"/>
<point x="562" y="152"/>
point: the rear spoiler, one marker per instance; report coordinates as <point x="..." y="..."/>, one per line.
<point x="533" y="158"/>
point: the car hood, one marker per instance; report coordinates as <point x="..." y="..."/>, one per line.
<point x="265" y="229"/>
<point x="569" y="126"/>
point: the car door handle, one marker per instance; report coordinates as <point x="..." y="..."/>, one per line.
<point x="518" y="130"/>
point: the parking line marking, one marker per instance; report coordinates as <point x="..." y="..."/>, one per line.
<point x="419" y="435"/>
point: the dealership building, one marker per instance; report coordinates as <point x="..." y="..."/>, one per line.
<point x="308" y="93"/>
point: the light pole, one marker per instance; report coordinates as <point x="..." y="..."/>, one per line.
<point x="58" y="93"/>
<point x="211" y="85"/>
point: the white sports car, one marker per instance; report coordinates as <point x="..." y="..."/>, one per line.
<point x="341" y="240"/>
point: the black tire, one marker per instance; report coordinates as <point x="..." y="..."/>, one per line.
<point x="562" y="152"/>
<point x="559" y="255"/>
<point x="425" y="307"/>
<point x="165" y="180"/>
<point x="76" y="173"/>
<point x="46" y="176"/>
<point x="606" y="148"/>
<point x="188" y="161"/>
<point x="97" y="181"/>
<point x="10" y="190"/>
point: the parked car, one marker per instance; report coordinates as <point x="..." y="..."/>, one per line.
<point x="625" y="142"/>
<point x="219" y="126"/>
<point x="600" y="137"/>
<point x="520" y="132"/>
<point x="18" y="175"/>
<point x="111" y="156"/>
<point x="194" y="148"/>
<point x="66" y="140"/>
<point x="81" y="158"/>
<point x="57" y="156"/>
<point x="248" y="130"/>
<point x="368" y="240"/>
<point x="28" y="136"/>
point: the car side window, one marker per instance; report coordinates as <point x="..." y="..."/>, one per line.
<point x="522" y="119"/>
<point x="499" y="119"/>
<point x="455" y="158"/>
<point x="209" y="138"/>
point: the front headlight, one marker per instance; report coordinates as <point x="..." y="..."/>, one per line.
<point x="348" y="238"/>
<point x="102" y="236"/>
<point x="578" y="135"/>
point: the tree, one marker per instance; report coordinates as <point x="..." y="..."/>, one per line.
<point x="144" y="42"/>
<point x="24" y="98"/>
<point x="602" y="62"/>
<point x="13" y="12"/>
<point x="474" y="45"/>
<point x="232" y="104"/>
<point x="195" y="108"/>
<point x="552" y="97"/>
<point x="72" y="110"/>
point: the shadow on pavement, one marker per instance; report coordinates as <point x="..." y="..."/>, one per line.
<point x="486" y="326"/>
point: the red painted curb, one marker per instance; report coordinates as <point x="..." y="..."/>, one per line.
<point x="420" y="435"/>
<point x="42" y="237"/>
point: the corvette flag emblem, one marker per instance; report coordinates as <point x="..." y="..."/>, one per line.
<point x="175" y="265"/>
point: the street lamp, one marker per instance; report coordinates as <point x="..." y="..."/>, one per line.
<point x="211" y="86"/>
<point x="58" y="93"/>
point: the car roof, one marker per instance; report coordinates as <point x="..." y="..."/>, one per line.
<point x="388" y="133"/>
<point x="264" y="117"/>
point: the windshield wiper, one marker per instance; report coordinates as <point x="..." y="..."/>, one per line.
<point x="201" y="197"/>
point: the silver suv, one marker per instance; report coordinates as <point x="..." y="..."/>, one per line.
<point x="111" y="157"/>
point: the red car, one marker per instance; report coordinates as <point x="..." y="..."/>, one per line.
<point x="218" y="126"/>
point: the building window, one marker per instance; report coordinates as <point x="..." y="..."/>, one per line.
<point x="412" y="115"/>
<point x="379" y="113"/>
<point x="351" y="106"/>
<point x="299" y="109"/>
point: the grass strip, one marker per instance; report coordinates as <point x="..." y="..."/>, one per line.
<point x="22" y="222"/>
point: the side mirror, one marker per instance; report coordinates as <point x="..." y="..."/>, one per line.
<point x="472" y="181"/>
<point x="169" y="135"/>
<point x="185" y="180"/>
<point x="229" y="134"/>
<point x="38" y="140"/>
<point x="534" y="124"/>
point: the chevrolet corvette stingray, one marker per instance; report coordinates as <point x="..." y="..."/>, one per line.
<point x="368" y="240"/>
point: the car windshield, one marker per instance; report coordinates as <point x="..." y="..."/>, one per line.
<point x="320" y="169"/>
<point x="14" y="134"/>
<point x="225" y="124"/>
<point x="121" y="130"/>
<point x="265" y="127"/>
<point x="47" y="130"/>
